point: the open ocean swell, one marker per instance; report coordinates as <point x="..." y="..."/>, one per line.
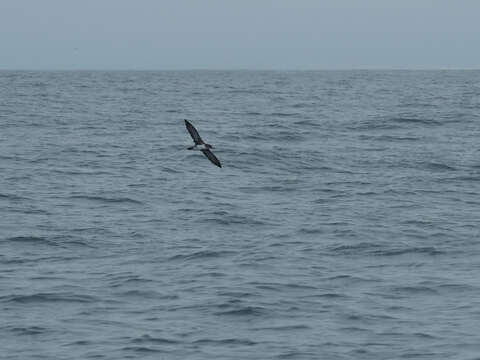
<point x="343" y="225"/>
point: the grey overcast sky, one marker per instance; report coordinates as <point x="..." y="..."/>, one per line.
<point x="239" y="34"/>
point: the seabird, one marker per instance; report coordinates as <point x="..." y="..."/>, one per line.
<point x="200" y="145"/>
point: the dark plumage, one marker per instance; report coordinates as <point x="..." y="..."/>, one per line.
<point x="211" y="157"/>
<point x="201" y="145"/>
<point x="194" y="133"/>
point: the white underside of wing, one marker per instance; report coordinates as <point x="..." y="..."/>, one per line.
<point x="200" y="147"/>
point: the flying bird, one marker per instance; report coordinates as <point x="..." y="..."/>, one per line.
<point x="200" y="144"/>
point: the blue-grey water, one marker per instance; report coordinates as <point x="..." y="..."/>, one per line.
<point x="344" y="224"/>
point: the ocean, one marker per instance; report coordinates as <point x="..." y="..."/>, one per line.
<point x="344" y="223"/>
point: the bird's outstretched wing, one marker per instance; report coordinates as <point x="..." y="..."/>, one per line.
<point x="194" y="133"/>
<point x="211" y="157"/>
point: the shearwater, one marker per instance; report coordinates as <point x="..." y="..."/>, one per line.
<point x="200" y="144"/>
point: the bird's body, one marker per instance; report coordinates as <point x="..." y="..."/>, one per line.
<point x="201" y="145"/>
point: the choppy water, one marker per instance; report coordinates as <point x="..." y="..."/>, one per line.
<point x="344" y="224"/>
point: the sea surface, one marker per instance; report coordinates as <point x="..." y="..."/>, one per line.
<point x="344" y="224"/>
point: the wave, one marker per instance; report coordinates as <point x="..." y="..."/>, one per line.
<point x="244" y="311"/>
<point x="285" y="327"/>
<point x="427" y="250"/>
<point x="311" y="123"/>
<point x="49" y="297"/>
<point x="29" y="330"/>
<point x="438" y="166"/>
<point x="413" y="289"/>
<point x="230" y="341"/>
<point x="142" y="294"/>
<point x="355" y="248"/>
<point x="284" y="114"/>
<point x="311" y="231"/>
<point x="383" y="250"/>
<point x="81" y="172"/>
<point x="134" y="280"/>
<point x="13" y="197"/>
<point x="473" y="178"/>
<point x="142" y="349"/>
<point x="37" y="240"/>
<point x="106" y="199"/>
<point x="233" y="220"/>
<point x="388" y="138"/>
<point x="30" y="211"/>
<point x="393" y="123"/>
<point x="153" y="340"/>
<point x="204" y="254"/>
<point x="415" y="121"/>
<point x="55" y="240"/>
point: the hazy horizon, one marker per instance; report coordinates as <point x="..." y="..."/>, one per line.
<point x="235" y="70"/>
<point x="239" y="69"/>
<point x="248" y="35"/>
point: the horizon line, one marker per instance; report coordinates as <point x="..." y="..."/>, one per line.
<point x="249" y="69"/>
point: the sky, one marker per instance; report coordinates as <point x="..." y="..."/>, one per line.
<point x="239" y="34"/>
